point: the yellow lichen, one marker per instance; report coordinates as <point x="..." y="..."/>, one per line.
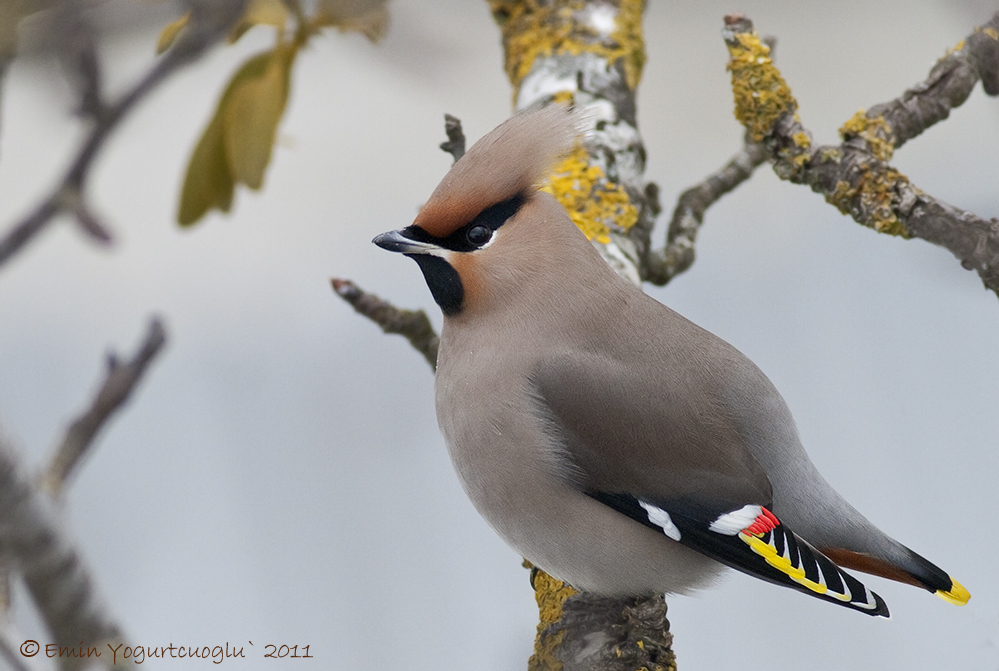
<point x="761" y="94"/>
<point x="874" y="131"/>
<point x="565" y="98"/>
<point x="545" y="657"/>
<point x="802" y="140"/>
<point x="595" y="204"/>
<point x="630" y="41"/>
<point x="550" y="594"/>
<point x="991" y="32"/>
<point x="533" y="28"/>
<point x="957" y="47"/>
<point x="875" y="198"/>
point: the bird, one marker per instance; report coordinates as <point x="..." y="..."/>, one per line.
<point x="611" y="442"/>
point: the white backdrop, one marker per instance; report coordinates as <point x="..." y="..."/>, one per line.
<point x="279" y="476"/>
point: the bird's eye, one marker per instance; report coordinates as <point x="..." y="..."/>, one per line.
<point x="479" y="235"/>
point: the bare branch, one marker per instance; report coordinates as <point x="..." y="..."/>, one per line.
<point x="121" y="380"/>
<point x="412" y="324"/>
<point x="209" y="22"/>
<point x="455" y="144"/>
<point x="855" y="176"/>
<point x="53" y="569"/>
<point x="78" y="54"/>
<point x="663" y="265"/>
<point x="71" y="200"/>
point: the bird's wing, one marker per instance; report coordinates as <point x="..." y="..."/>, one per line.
<point x="652" y="428"/>
<point x="674" y="462"/>
<point x="754" y="541"/>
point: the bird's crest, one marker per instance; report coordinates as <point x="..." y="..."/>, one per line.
<point x="513" y="158"/>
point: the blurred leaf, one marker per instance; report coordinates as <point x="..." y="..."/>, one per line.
<point x="170" y="33"/>
<point x="252" y="111"/>
<point x="261" y="13"/>
<point x="208" y="182"/>
<point x="236" y="146"/>
<point x="369" y="17"/>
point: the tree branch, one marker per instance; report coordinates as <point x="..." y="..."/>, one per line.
<point x="855" y="176"/>
<point x="455" y="144"/>
<point x="121" y="380"/>
<point x="31" y="533"/>
<point x="53" y="569"/>
<point x="582" y="632"/>
<point x="210" y="21"/>
<point x="663" y="265"/>
<point x="414" y="325"/>
<point x="554" y="51"/>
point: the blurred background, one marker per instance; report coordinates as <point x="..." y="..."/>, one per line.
<point x="279" y="477"/>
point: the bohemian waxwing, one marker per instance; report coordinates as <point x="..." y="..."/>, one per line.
<point x="607" y="439"/>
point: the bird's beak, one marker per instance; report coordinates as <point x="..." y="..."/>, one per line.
<point x="398" y="241"/>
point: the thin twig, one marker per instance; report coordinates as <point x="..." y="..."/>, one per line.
<point x="78" y="54"/>
<point x="121" y="380"/>
<point x="209" y="22"/>
<point x="412" y="324"/>
<point x="663" y="265"/>
<point x="455" y="144"/>
<point x="855" y="176"/>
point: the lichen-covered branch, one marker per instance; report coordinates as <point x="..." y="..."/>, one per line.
<point x="855" y="176"/>
<point x="121" y="380"/>
<point x="210" y="21"/>
<point x="590" y="53"/>
<point x="663" y="265"/>
<point x="948" y="85"/>
<point x="583" y="632"/>
<point x="414" y="325"/>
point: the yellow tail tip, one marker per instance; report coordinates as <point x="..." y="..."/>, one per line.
<point x="957" y="595"/>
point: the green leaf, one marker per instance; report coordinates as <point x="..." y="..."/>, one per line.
<point x="236" y="146"/>
<point x="208" y="182"/>
<point x="251" y="112"/>
<point x="261" y="13"/>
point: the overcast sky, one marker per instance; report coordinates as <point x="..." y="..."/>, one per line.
<point x="279" y="476"/>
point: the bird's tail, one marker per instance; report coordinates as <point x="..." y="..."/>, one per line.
<point x="754" y="541"/>
<point x="917" y="571"/>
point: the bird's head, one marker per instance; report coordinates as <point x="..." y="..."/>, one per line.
<point x="487" y="216"/>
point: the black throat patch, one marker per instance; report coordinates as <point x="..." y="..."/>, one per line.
<point x="444" y="282"/>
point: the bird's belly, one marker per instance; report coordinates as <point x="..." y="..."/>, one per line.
<point x="570" y="535"/>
